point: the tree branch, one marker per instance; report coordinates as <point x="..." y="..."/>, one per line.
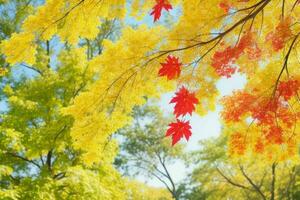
<point x="257" y="189"/>
<point x="285" y="65"/>
<point x="49" y="160"/>
<point x="273" y="181"/>
<point x="24" y="159"/>
<point x="32" y="68"/>
<point x="174" y="193"/>
<point x="231" y="181"/>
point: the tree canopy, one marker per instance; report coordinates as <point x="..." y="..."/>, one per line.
<point x="86" y="68"/>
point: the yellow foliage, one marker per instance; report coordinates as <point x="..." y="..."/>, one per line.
<point x="20" y="47"/>
<point x="123" y="83"/>
<point x="140" y="191"/>
<point x="126" y="71"/>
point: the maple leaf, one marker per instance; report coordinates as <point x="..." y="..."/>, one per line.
<point x="185" y="102"/>
<point x="171" y="68"/>
<point x="179" y="129"/>
<point x="157" y="9"/>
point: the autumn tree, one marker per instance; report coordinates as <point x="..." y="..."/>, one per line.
<point x="206" y="41"/>
<point x="144" y="150"/>
<point x="210" y="40"/>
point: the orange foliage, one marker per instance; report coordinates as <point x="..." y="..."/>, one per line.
<point x="237" y="144"/>
<point x="223" y="61"/>
<point x="271" y="113"/>
<point x="288" y="88"/>
<point x="281" y="34"/>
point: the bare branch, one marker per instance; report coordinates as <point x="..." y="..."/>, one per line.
<point x="257" y="189"/>
<point x="231" y="181"/>
<point x="32" y="68"/>
<point x="24" y="159"/>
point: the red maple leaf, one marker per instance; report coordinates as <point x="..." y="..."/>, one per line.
<point x="185" y="102"/>
<point x="179" y="129"/>
<point x="171" y="68"/>
<point x="157" y="9"/>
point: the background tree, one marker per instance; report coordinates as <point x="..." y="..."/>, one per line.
<point x="219" y="175"/>
<point x="144" y="150"/>
<point x="138" y="190"/>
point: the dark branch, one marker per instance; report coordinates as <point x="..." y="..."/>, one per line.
<point x="256" y="188"/>
<point x="23" y="158"/>
<point x="273" y="181"/>
<point x="231" y="181"/>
